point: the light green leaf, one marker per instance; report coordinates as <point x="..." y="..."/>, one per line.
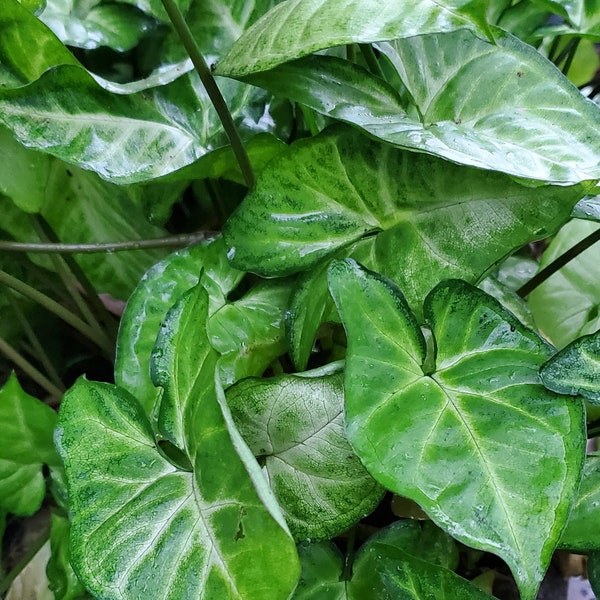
<point x="27" y="47"/>
<point x="575" y="370"/>
<point x="117" y="26"/>
<point x="206" y="532"/>
<point x="156" y="293"/>
<point x="295" y="424"/>
<point x="457" y="432"/>
<point x="390" y="564"/>
<point x="583" y="18"/>
<point x="216" y="25"/>
<point x="566" y="305"/>
<point x="155" y="7"/>
<point x="23" y="173"/>
<point x="26" y="447"/>
<point x="584" y="520"/>
<point x="295" y="28"/>
<point x="62" y="579"/>
<point x="587" y="208"/>
<point x="523" y="128"/>
<point x="249" y="333"/>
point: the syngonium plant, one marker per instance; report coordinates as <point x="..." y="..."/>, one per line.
<point x="352" y="335"/>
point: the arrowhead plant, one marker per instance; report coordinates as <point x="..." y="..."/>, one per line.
<point x="299" y="296"/>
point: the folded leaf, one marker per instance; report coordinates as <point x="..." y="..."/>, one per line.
<point x="210" y="532"/>
<point x="470" y="433"/>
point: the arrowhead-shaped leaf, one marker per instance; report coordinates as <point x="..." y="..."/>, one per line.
<point x="522" y="128"/>
<point x="296" y="28"/>
<point x="27" y="427"/>
<point x="212" y="532"/>
<point x="470" y="434"/>
<point x="295" y="423"/>
<point x="575" y="370"/>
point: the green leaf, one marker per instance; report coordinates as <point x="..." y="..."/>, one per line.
<point x="216" y="25"/>
<point x="575" y="370"/>
<point x="390" y="564"/>
<point x="117" y="26"/>
<point x="295" y="424"/>
<point x="206" y="532"/>
<point x="523" y="128"/>
<point x="155" y="7"/>
<point x="329" y="191"/>
<point x="156" y="293"/>
<point x="296" y="28"/>
<point x="584" y="520"/>
<point x="27" y="192"/>
<point x="587" y="208"/>
<point x="27" y="446"/>
<point x="476" y="451"/>
<point x="583" y="18"/>
<point x="566" y="305"/>
<point x="62" y="579"/>
<point x="249" y="333"/>
<point x="27" y="47"/>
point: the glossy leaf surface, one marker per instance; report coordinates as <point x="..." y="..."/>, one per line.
<point x="584" y="520"/>
<point x="523" y="128"/>
<point x="174" y="533"/>
<point x="454" y="433"/>
<point x="575" y="370"/>
<point x="565" y="306"/>
<point x="117" y="26"/>
<point x="295" y="28"/>
<point x="296" y="425"/>
<point x="27" y="426"/>
<point x="157" y="292"/>
<point x="582" y="18"/>
<point x="390" y="564"/>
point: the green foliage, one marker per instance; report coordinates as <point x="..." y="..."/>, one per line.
<point x="353" y="325"/>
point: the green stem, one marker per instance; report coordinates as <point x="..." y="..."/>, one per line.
<point x="349" y="557"/>
<point x="554" y="49"/>
<point x="371" y="60"/>
<point x="21" y="362"/>
<point x="570" y="57"/>
<point x="209" y="83"/>
<point x="166" y="242"/>
<point x="79" y="281"/>
<point x="54" y="307"/>
<point x="70" y="282"/>
<point x="558" y="263"/>
<point x="37" y="346"/>
<point x="25" y="560"/>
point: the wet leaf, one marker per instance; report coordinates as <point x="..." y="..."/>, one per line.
<point x="295" y="424"/>
<point x="454" y="431"/>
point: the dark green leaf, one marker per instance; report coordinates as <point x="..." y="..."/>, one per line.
<point x="477" y="442"/>
<point x="296" y="424"/>
<point x="27" y="428"/>
<point x="296" y="28"/>
<point x="575" y="370"/>
<point x="62" y="579"/>
<point x="584" y="520"/>
<point x="117" y="26"/>
<point x="27" y="47"/>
